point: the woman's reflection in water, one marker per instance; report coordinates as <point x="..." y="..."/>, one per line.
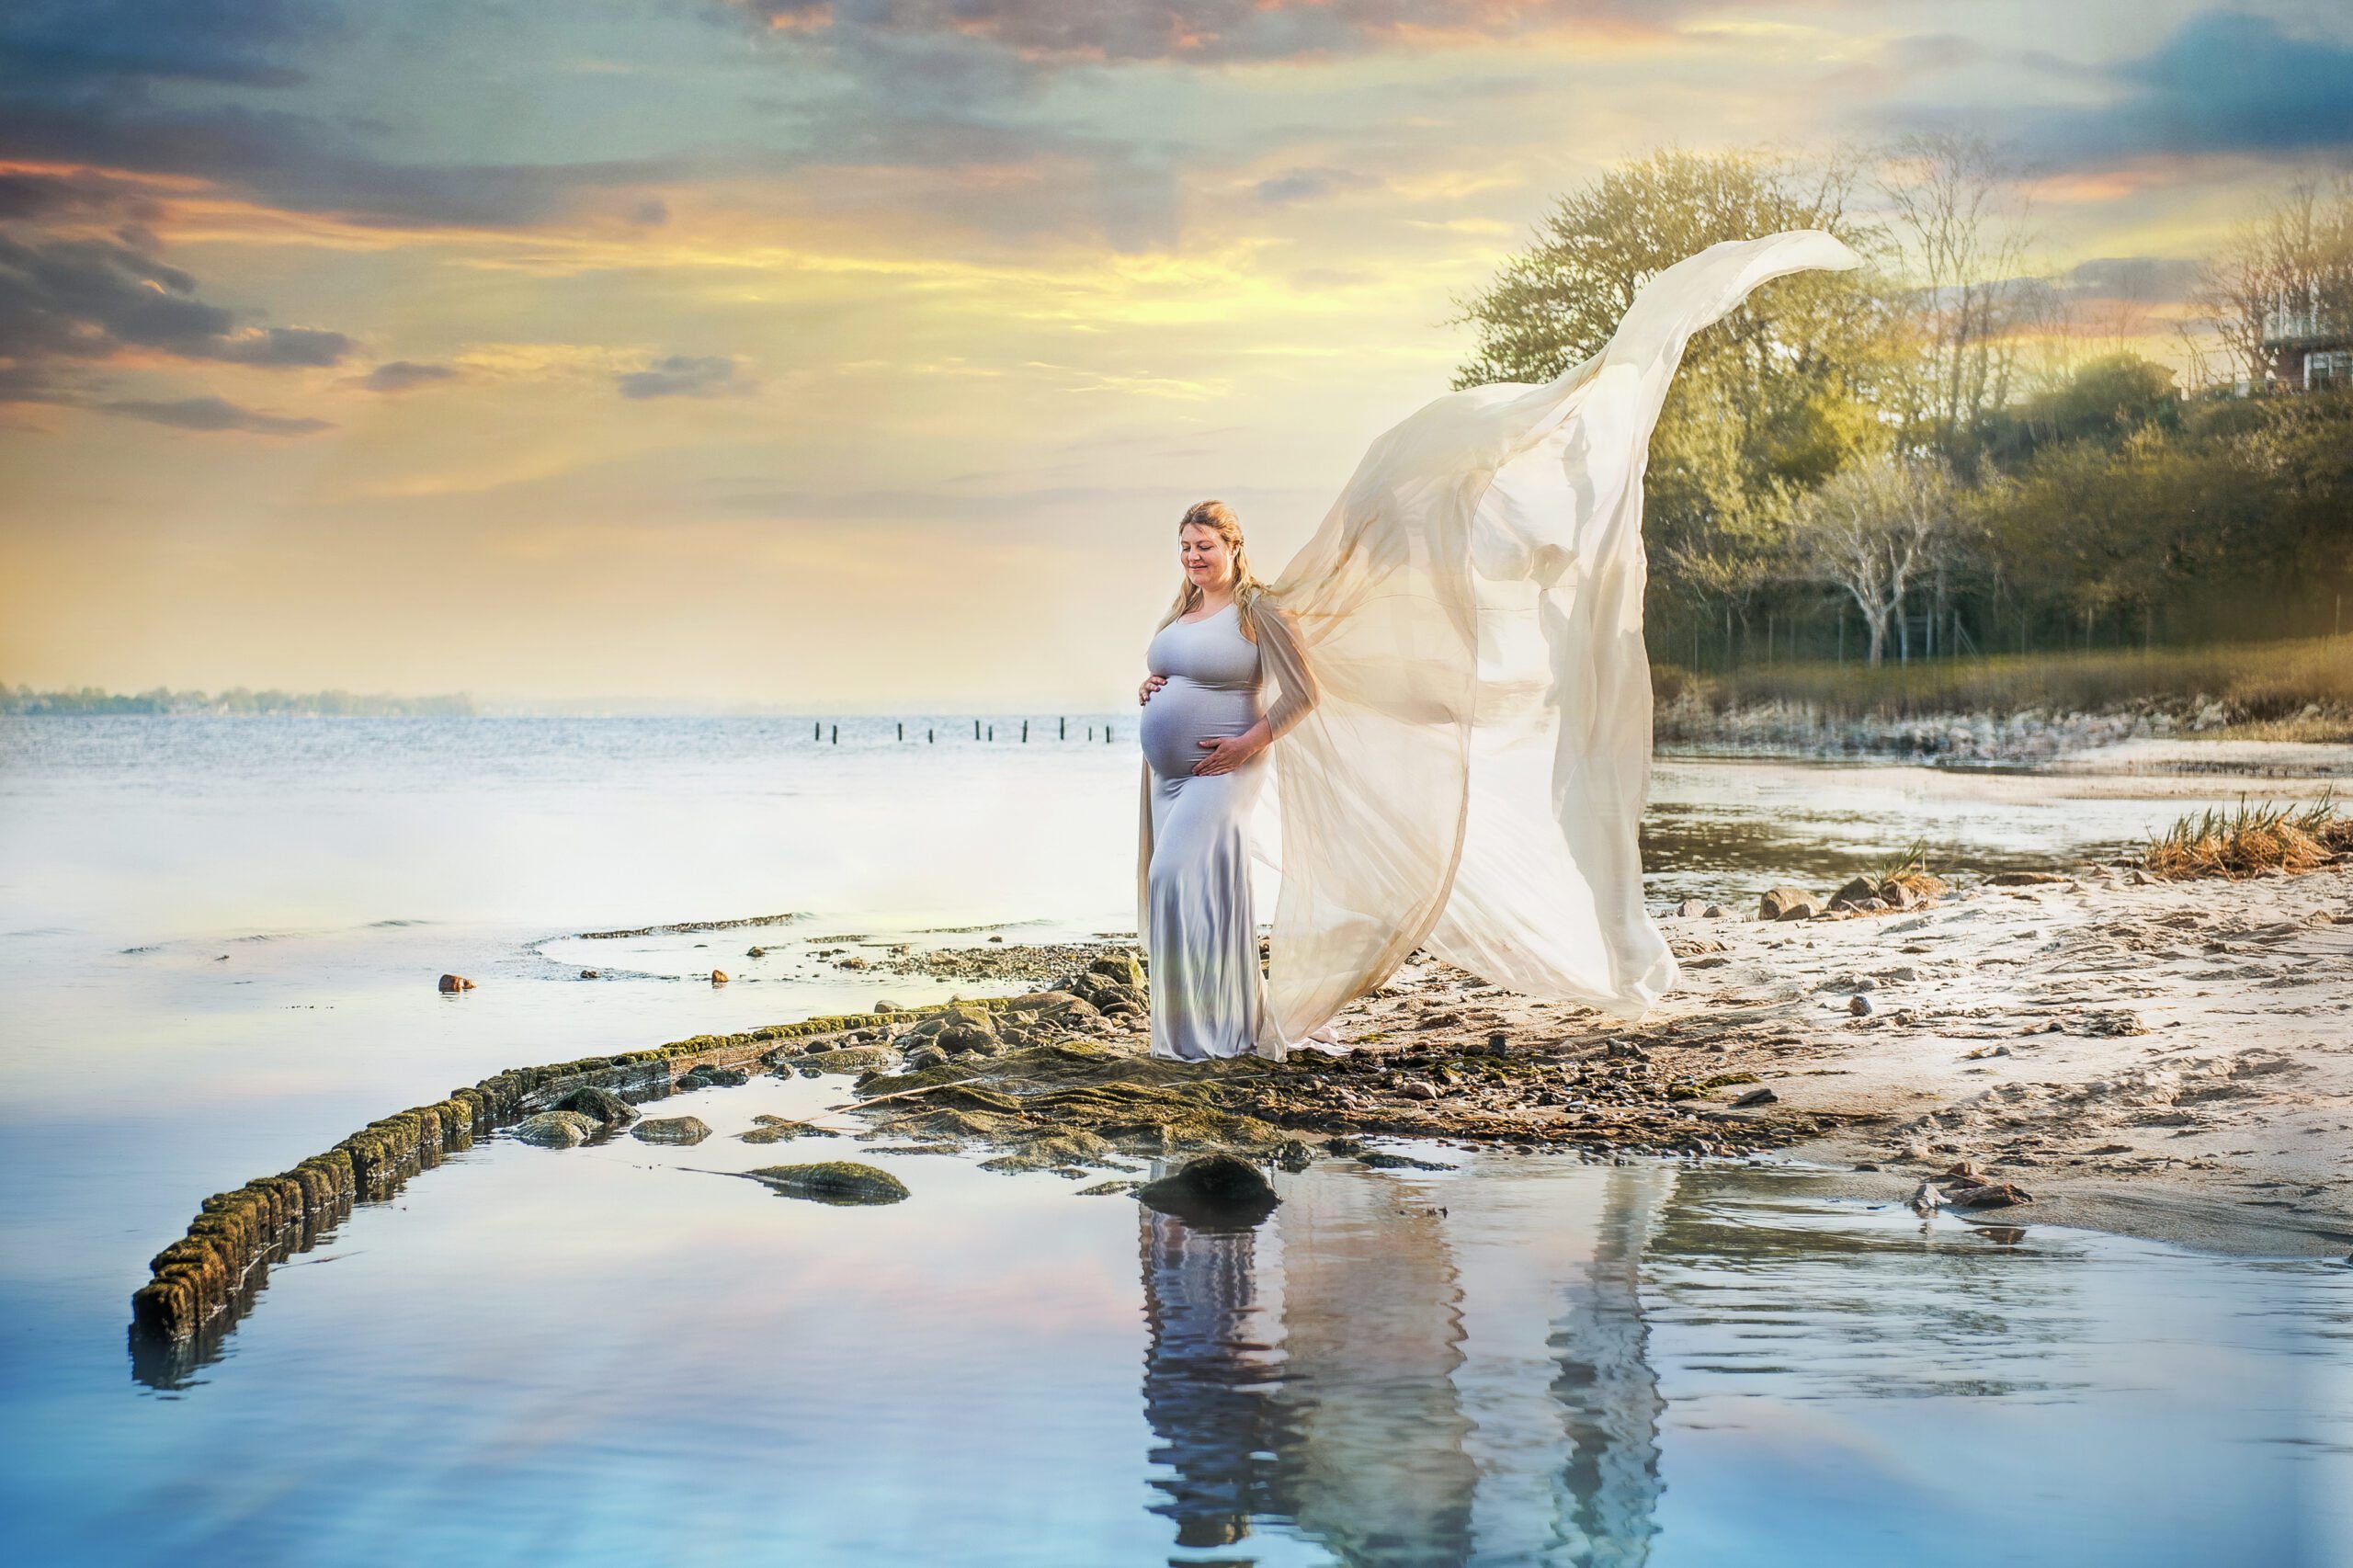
<point x="1316" y="1373"/>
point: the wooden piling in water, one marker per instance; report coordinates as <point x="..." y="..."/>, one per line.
<point x="1025" y="732"/>
<point x="1062" y="728"/>
<point x="837" y="734"/>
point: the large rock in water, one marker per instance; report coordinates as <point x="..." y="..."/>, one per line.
<point x="557" y="1129"/>
<point x="833" y="1181"/>
<point x="1788" y="903"/>
<point x="1214" y="1191"/>
<point x="672" y="1129"/>
<point x="601" y="1105"/>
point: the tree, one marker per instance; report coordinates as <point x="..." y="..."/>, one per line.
<point x="1875" y="529"/>
<point x="1958" y="229"/>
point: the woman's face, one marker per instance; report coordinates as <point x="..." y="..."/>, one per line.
<point x="1207" y="559"/>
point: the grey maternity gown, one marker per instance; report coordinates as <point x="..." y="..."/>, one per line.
<point x="1193" y="893"/>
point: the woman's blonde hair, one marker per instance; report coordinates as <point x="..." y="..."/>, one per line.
<point x="1217" y="515"/>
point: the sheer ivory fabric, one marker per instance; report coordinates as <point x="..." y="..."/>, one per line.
<point x="1471" y="774"/>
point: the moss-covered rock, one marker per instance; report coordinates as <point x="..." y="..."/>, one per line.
<point x="556" y="1129"/>
<point x="1216" y="1191"/>
<point x="601" y="1106"/>
<point x="685" y="1130"/>
<point x="833" y="1181"/>
<point x="777" y="1129"/>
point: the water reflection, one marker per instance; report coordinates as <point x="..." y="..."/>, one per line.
<point x="1318" y="1375"/>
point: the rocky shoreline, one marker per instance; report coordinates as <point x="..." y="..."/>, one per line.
<point x="2093" y="1047"/>
<point x="2031" y="738"/>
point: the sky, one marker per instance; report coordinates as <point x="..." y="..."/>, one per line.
<point x="861" y="355"/>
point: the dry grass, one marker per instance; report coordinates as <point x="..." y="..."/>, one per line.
<point x="2307" y="682"/>
<point x="2249" y="841"/>
<point x="1908" y="869"/>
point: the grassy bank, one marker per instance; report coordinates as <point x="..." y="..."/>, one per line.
<point x="2290" y="690"/>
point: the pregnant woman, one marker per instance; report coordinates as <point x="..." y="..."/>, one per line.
<point x="1461" y="724"/>
<point x="1205" y="733"/>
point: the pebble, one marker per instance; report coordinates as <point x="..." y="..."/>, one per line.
<point x="1859" y="1004"/>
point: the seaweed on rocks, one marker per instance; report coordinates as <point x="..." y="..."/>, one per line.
<point x="832" y="1181"/>
<point x="213" y="1269"/>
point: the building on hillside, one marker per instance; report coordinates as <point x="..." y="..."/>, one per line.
<point x="2306" y="345"/>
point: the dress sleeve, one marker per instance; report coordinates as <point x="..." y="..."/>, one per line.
<point x="1285" y="662"/>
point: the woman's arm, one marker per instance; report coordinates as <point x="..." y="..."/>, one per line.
<point x="1280" y="656"/>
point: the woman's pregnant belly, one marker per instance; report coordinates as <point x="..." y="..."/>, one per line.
<point x="1184" y="713"/>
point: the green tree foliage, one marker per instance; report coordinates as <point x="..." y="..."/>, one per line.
<point x="2100" y="507"/>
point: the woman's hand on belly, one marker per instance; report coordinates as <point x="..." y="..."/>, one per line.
<point x="1151" y="684"/>
<point x="1230" y="752"/>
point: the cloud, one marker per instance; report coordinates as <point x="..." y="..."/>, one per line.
<point x="685" y="375"/>
<point x="2144" y="280"/>
<point x="1312" y="185"/>
<point x="2222" y="83"/>
<point x="405" y="375"/>
<point x="94" y="299"/>
<point x="212" y="415"/>
<point x="1208" y="31"/>
<point x="241" y="42"/>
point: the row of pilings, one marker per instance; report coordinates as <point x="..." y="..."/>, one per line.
<point x="205" y="1272"/>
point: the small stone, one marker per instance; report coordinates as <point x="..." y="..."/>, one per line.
<point x="1498" y="1042"/>
<point x="1691" y="909"/>
<point x="1756" y="1097"/>
<point x="1788" y="903"/>
<point x="776" y="1130"/>
<point x="1716" y="912"/>
<point x="1382" y="1160"/>
<point x="755" y="952"/>
<point x="556" y="1130"/>
<point x="706" y="1076"/>
<point x="1855" y="892"/>
<point x="686" y="1129"/>
<point x="1418" y="1091"/>
<point x="448" y="981"/>
<point x="1859" y="1004"/>
<point x="588" y="975"/>
<point x="1926" y="1198"/>
<point x="1994" y="1195"/>
<point x="719" y="977"/>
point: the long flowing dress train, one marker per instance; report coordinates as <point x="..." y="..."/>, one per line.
<point x="1472" y="777"/>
